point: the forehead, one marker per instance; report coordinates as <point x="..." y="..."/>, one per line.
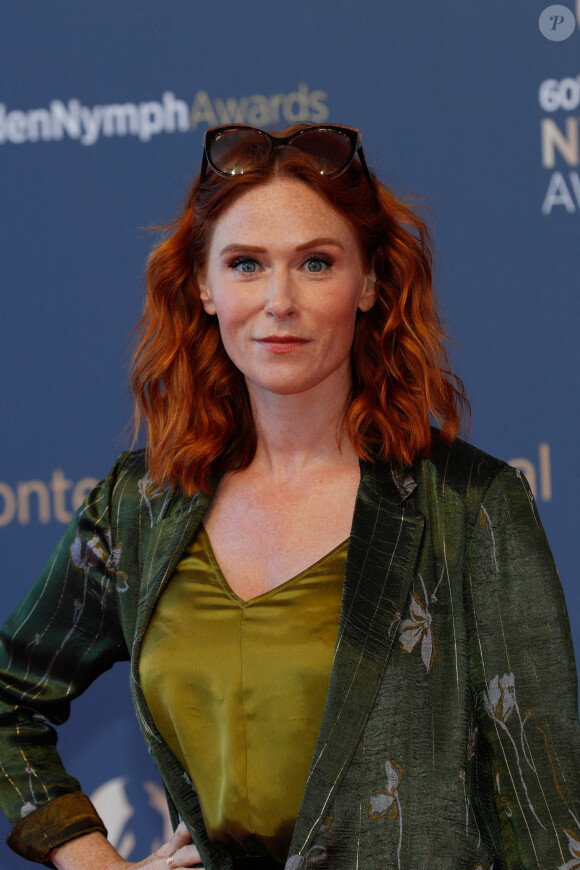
<point x="283" y="209"/>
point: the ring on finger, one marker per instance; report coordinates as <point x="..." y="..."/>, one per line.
<point x="171" y="861"/>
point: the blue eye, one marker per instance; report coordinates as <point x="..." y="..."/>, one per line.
<point x="316" y="264"/>
<point x="245" y="265"/>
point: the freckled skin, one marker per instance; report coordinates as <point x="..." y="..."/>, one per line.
<point x="285" y="278"/>
<point x="306" y="282"/>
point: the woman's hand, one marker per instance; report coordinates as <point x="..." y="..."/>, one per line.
<point x="179" y="848"/>
<point x="94" y="852"/>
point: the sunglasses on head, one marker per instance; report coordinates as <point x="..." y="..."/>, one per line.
<point x="237" y="148"/>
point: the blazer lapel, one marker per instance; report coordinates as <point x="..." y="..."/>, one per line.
<point x="382" y="555"/>
<point x="169" y="538"/>
<point x="164" y="546"/>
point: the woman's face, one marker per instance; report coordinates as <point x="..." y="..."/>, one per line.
<point x="285" y="278"/>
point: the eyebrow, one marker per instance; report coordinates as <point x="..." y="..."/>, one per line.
<point x="323" y="240"/>
<point x="256" y="249"/>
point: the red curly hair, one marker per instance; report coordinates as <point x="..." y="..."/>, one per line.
<point x="193" y="399"/>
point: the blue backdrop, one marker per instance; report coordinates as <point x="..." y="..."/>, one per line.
<point x="103" y="105"/>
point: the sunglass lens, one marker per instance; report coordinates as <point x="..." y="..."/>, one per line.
<point x="330" y="150"/>
<point x="236" y="151"/>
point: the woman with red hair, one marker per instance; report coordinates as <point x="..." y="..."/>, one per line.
<point x="348" y="641"/>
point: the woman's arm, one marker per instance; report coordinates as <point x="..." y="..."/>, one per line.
<point x="64" y="634"/>
<point x="90" y="852"/>
<point x="94" y="852"/>
<point x="524" y="675"/>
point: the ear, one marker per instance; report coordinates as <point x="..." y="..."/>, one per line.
<point x="368" y="294"/>
<point x="205" y="294"/>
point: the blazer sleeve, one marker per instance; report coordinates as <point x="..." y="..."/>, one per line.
<point x="64" y="634"/>
<point x="525" y="680"/>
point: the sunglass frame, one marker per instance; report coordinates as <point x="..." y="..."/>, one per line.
<point x="353" y="135"/>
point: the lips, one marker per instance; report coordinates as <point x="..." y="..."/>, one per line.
<point x="282" y="343"/>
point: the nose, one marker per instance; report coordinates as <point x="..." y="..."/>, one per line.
<point x="281" y="298"/>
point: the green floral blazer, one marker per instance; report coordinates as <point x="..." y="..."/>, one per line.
<point x="450" y="737"/>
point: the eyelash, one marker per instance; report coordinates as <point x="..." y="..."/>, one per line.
<point x="321" y="258"/>
<point x="239" y="260"/>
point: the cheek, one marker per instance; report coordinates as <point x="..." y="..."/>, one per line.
<point x="342" y="315"/>
<point x="230" y="315"/>
<point x="233" y="325"/>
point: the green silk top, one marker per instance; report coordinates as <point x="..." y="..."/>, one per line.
<point x="237" y="690"/>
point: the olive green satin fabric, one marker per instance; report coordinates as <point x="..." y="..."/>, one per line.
<point x="237" y="689"/>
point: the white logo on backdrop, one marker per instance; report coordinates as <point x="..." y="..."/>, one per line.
<point x="89" y="124"/>
<point x="539" y="474"/>
<point x="32" y="501"/>
<point x="114" y="807"/>
<point x="561" y="143"/>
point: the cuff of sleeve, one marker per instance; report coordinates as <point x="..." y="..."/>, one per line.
<point x="53" y="824"/>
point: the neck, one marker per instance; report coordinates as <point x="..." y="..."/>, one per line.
<point x="299" y="432"/>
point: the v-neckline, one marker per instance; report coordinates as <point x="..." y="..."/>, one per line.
<point x="245" y="602"/>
